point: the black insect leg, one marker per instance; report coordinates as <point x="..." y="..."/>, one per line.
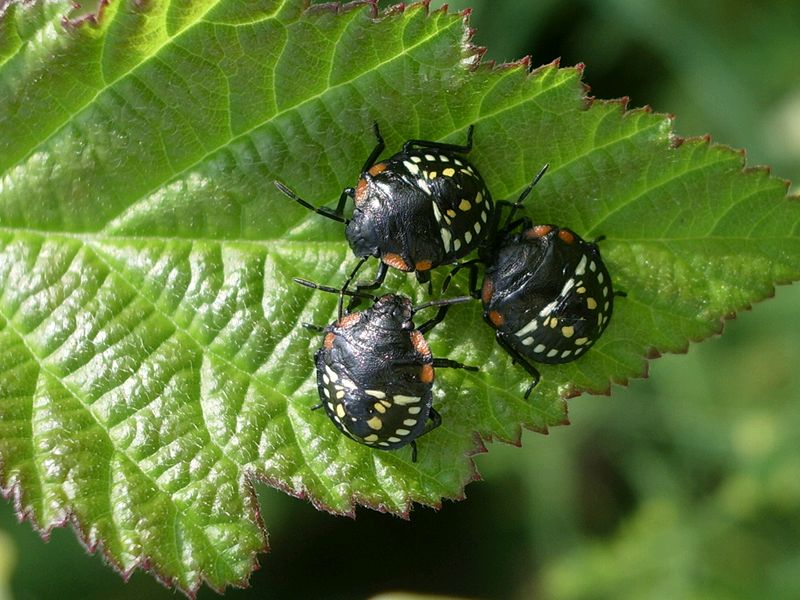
<point x="446" y="363"/>
<point x="441" y="145"/>
<point x="472" y="265"/>
<point x="436" y="421"/>
<point x="376" y="151"/>
<point x="518" y="204"/>
<point x="383" y="268"/>
<point x="518" y="358"/>
<point x="314" y="328"/>
<point x="325" y="212"/>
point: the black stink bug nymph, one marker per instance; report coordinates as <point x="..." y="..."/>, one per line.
<point x="546" y="292"/>
<point x="375" y="371"/>
<point x="421" y="208"/>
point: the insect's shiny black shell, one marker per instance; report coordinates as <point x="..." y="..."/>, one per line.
<point x="419" y="209"/>
<point x="549" y="294"/>
<point x="365" y="392"/>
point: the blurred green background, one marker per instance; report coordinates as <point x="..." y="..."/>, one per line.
<point x="685" y="485"/>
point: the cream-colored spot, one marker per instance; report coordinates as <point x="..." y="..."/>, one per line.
<point x="458" y="162"/>
<point x="449" y="172"/>
<point x="581" y="290"/>
<point x="326" y="379"/>
<point x="553" y="322"/>
<point x="379" y="407"/>
<point x="412" y="168"/>
<point x="477" y="228"/>
<point x="581" y="341"/>
<point x="339" y="394"/>
<point x="394" y="439"/>
<point x="464" y="205"/>
<point x="566" y="353"/>
<point x="409" y="422"/>
<point x="484" y="216"/>
<point x="375" y="423"/>
<point x="468" y="236"/>
<point x="436" y="212"/>
<point x="340" y="410"/>
<point x="600" y="277"/>
<point x="443" y="158"/>
<point x="327" y="392"/>
<point x="375" y="393"/>
<point x="527" y="341"/>
<point x="552" y="353"/>
<point x="416" y="159"/>
<point x="457" y="245"/>
<point x="372" y="437"/>
<point x="581" y="268"/>
<point x="331" y="373"/>
<point x="451" y="213"/>
<point x="430" y="157"/>
<point x="402" y="432"/>
<point x="592" y="266"/>
<point x="568" y="331"/>
<point x="404" y="400"/>
<point x="539" y="349"/>
<point x="605" y="291"/>
<point x="446" y="237"/>
<point x="414" y="410"/>
<point x="478" y="198"/>
<point x="606" y="305"/>
<point x="591" y="303"/>
<point x="431" y="174"/>
<point x="424" y="186"/>
<point x="386" y="403"/>
<point x="383" y="443"/>
<point x="531" y="326"/>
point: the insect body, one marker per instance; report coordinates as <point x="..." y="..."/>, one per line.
<point x="375" y="372"/>
<point x="548" y="295"/>
<point x="546" y="291"/>
<point x="423" y="207"/>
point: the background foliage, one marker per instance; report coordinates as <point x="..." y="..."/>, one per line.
<point x="684" y="485"/>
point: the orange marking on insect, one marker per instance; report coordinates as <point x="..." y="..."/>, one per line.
<point x="348" y="320"/>
<point x="328" y="342"/>
<point x="426" y="374"/>
<point x="396" y="261"/>
<point x="538" y="231"/>
<point x="566" y="236"/>
<point x="487" y="291"/>
<point x="419" y="343"/>
<point x="496" y="318"/>
<point x="423" y="265"/>
<point x="361" y="191"/>
<point x="377" y="168"/>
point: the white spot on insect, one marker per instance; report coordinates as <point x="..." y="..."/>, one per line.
<point x="581" y="341"/>
<point x="605" y="291"/>
<point x="566" y="353"/>
<point x="443" y="158"/>
<point x="581" y="290"/>
<point x="394" y="439"/>
<point x="446" y="237"/>
<point x="340" y="394"/>
<point x="436" y="212"/>
<point x="414" y="410"/>
<point x="404" y="400"/>
<point x="327" y="392"/>
<point x="478" y="198"/>
<point x="552" y="353"/>
<point x="402" y="431"/>
<point x="431" y="174"/>
<point x="449" y="172"/>
<point x="539" y="349"/>
<point x="581" y="268"/>
<point x="331" y="373"/>
<point x="468" y="236"/>
<point x="375" y="423"/>
<point x="484" y="216"/>
<point x="383" y="443"/>
<point x="527" y="341"/>
<point x="464" y="205"/>
<point x="330" y="406"/>
<point x="424" y="186"/>
<point x="548" y="309"/>
<point x="458" y="162"/>
<point x="477" y="228"/>
<point x="430" y="157"/>
<point x="600" y="277"/>
<point x="416" y="159"/>
<point x="340" y="410"/>
<point x="451" y="213"/>
<point x="326" y="379"/>
<point x="371" y="438"/>
<point x="591" y="303"/>
<point x="375" y="393"/>
<point x="606" y="305"/>
<point x="579" y="349"/>
<point x="457" y="245"/>
<point x="592" y="266"/>
<point x="410" y="422"/>
<point x="531" y="326"/>
<point x="568" y="331"/>
<point x="412" y="168"/>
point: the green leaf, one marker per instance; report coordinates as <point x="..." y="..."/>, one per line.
<point x="152" y="356"/>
